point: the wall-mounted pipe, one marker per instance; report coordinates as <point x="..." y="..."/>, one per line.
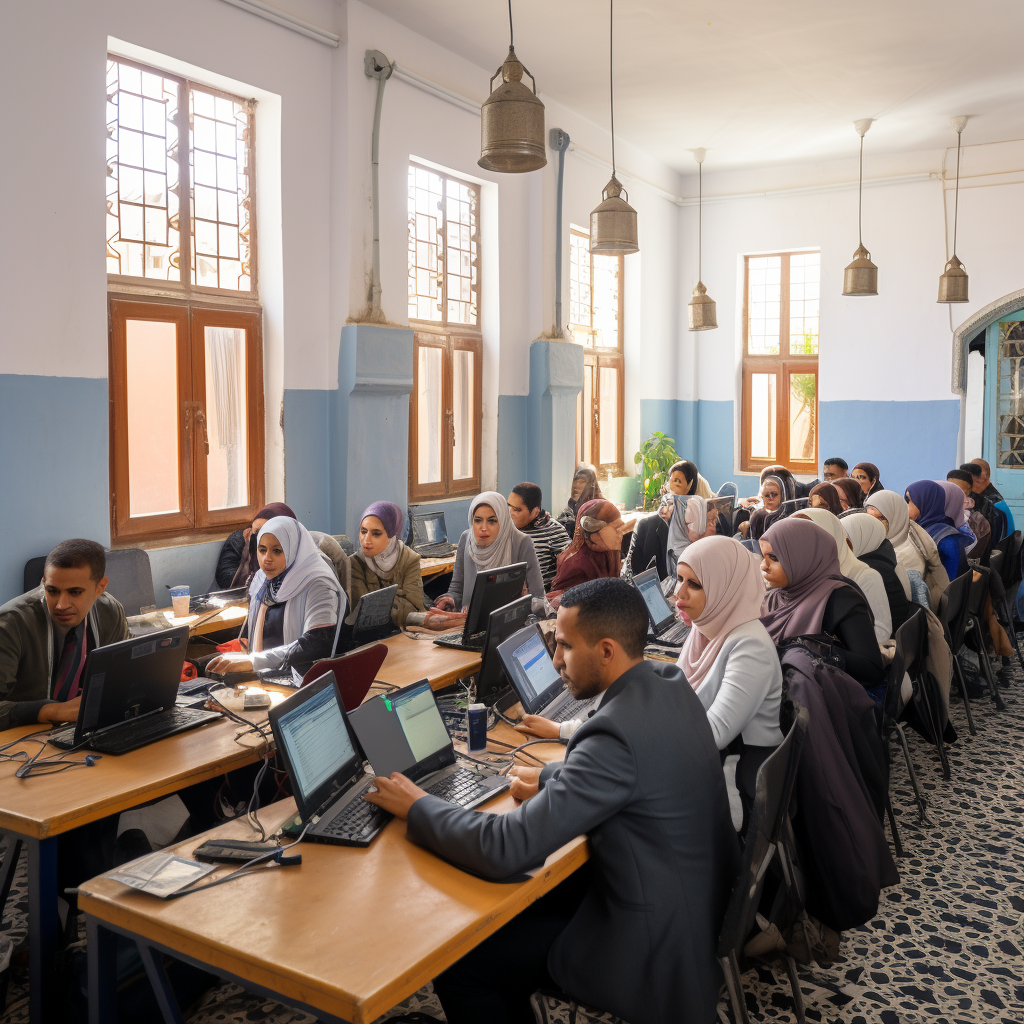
<point x="377" y="66"/>
<point x="559" y="141"/>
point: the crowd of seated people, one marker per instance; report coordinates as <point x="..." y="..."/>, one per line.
<point x="843" y="563"/>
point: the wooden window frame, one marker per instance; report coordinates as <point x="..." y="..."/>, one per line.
<point x="449" y="337"/>
<point x="193" y="520"/>
<point x="448" y="342"/>
<point x="594" y="358"/>
<point x="782" y="365"/>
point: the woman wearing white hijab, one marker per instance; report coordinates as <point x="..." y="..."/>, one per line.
<point x="491" y="541"/>
<point x="852" y="568"/>
<point x="870" y="545"/>
<point x="293" y="593"/>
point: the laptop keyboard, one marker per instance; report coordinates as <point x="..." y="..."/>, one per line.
<point x="459" y="642"/>
<point x="357" y="824"/>
<point x="572" y="709"/>
<point x="675" y="634"/>
<point x="439" y="550"/>
<point x="138" y="733"/>
<point x="63" y="737"/>
<point x="463" y="786"/>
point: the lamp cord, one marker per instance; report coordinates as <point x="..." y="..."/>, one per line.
<point x="611" y="74"/>
<point x="860" y="197"/>
<point x="511" y="34"/>
<point x="700" y="220"/>
<point x="956" y="201"/>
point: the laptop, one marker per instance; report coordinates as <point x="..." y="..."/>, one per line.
<point x="325" y="768"/>
<point x="536" y="680"/>
<point x="429" y="535"/>
<point x="129" y="694"/>
<point x="667" y="628"/>
<point x="372" y="621"/>
<point x="492" y="590"/>
<point x="403" y="731"/>
<point x="216" y="599"/>
<point x="491" y="681"/>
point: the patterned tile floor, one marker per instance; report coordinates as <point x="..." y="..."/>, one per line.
<point x="946" y="945"/>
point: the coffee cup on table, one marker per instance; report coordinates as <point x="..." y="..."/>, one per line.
<point x="179" y="601"/>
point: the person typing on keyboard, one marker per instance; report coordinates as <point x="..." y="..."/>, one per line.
<point x="642" y="778"/>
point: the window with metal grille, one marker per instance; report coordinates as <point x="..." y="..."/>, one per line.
<point x="444" y="310"/>
<point x="186" y="361"/>
<point x="595" y="322"/>
<point x="780" y="361"/>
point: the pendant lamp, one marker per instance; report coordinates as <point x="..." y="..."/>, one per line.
<point x="861" y="276"/>
<point x="701" y="309"/>
<point x="512" y="119"/>
<point x="953" y="280"/>
<point x="613" y="222"/>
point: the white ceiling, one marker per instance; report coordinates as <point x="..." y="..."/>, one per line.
<point x="757" y="82"/>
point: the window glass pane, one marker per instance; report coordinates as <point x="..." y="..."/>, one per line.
<point x="803" y="388"/>
<point x="142" y="174"/>
<point x="428" y="409"/>
<point x="580" y="309"/>
<point x="1010" y="393"/>
<point x="426" y="243"/>
<point x="804" y="273"/>
<point x="764" y="292"/>
<point x="151" y="358"/>
<point x="606" y="301"/>
<point x="227" y="480"/>
<point x="464" y="414"/>
<point x="609" y="413"/>
<point x="762" y="415"/>
<point x="461" y="252"/>
<point x="221" y="190"/>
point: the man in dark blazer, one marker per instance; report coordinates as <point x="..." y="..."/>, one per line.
<point x="635" y="932"/>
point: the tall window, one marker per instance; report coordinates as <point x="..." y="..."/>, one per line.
<point x="595" y="321"/>
<point x="186" y="362"/>
<point x="780" y="362"/>
<point x="444" y="311"/>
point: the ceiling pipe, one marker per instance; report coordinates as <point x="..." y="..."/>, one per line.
<point x="558" y="140"/>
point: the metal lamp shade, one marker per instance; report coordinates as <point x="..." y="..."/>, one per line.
<point x="953" y="282"/>
<point x="512" y="123"/>
<point x="861" y="276"/>
<point x="613" y="223"/>
<point x="702" y="310"/>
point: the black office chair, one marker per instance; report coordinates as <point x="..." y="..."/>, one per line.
<point x="979" y="591"/>
<point x="34" y="572"/>
<point x="1005" y="562"/>
<point x="953" y="614"/>
<point x="764" y="844"/>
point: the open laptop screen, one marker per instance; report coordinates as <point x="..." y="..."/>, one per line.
<point x="531" y="670"/>
<point x="429" y="529"/>
<point x="650" y="590"/>
<point x="315" y="740"/>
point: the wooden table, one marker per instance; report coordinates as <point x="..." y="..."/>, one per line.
<point x="229" y="617"/>
<point x="430" y="567"/>
<point x="344" y="936"/>
<point x="410" y="660"/>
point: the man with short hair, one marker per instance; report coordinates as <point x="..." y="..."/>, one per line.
<point x="548" y="535"/>
<point x="981" y="485"/>
<point x="46" y="634"/>
<point x="835" y="469"/>
<point x="636" y="932"/>
<point x="984" y="480"/>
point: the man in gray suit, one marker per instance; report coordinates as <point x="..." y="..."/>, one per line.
<point x="635" y="932"/>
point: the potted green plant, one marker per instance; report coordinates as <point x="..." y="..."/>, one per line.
<point x="656" y="457"/>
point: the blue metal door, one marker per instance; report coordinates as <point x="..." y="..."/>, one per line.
<point x="1004" y="408"/>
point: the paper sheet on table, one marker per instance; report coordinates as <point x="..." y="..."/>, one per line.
<point x="160" y="874"/>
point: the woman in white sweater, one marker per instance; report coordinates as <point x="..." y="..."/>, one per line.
<point x="729" y="658"/>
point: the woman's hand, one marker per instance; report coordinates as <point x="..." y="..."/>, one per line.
<point x="524" y="782"/>
<point x="665" y="512"/>
<point x="443" y="620"/>
<point x="537" y="725"/>
<point x="228" y="663"/>
<point x="445" y="603"/>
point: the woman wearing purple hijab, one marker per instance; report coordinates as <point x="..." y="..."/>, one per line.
<point x="927" y="504"/>
<point x="383" y="560"/>
<point x="809" y="596"/>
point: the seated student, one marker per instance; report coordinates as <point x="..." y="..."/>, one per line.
<point x="689" y="523"/>
<point x="769" y="499"/>
<point x="584" y="488"/>
<point x="46" y="633"/>
<point x="295" y="602"/>
<point x="981" y="487"/>
<point x="866" y="475"/>
<point x="596" y="548"/>
<point x="808" y="596"/>
<point x="956" y="509"/>
<point x="984" y="478"/>
<point x="985" y="520"/>
<point x="383" y="561"/>
<point x="650" y="535"/>
<point x="491" y="541"/>
<point x="870" y="546"/>
<point x="548" y="535"/>
<point x="636" y="932"/>
<point x="866" y="578"/>
<point x="729" y="658"/>
<point x="834" y="469"/>
<point x="850" y="493"/>
<point x="915" y="550"/>
<point x="827" y="497"/>
<point x="927" y="507"/>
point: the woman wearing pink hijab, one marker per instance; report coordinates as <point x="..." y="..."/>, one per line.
<point x="729" y="658"/>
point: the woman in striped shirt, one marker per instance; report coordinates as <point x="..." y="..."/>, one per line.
<point x="547" y="534"/>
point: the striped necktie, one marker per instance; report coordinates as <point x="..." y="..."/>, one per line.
<point x="72" y="661"/>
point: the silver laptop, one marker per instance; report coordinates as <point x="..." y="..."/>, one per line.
<point x="430" y="535"/>
<point x="667" y="628"/>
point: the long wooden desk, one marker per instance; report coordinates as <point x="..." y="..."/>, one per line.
<point x="345" y="936"/>
<point x="410" y="660"/>
<point x="430" y="567"/>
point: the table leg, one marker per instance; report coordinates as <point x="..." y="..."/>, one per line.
<point x="102" y="952"/>
<point x="165" y="997"/>
<point x="10" y="865"/>
<point x="42" y="929"/>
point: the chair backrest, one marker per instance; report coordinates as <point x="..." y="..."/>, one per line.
<point x="1004" y="559"/>
<point x="354" y="672"/>
<point x="728" y="490"/>
<point x="34" y="572"/>
<point x="774" y="790"/>
<point x="953" y="610"/>
<point x="979" y="591"/>
<point x="131" y="579"/>
<point x="892" y="700"/>
<point x="912" y="641"/>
